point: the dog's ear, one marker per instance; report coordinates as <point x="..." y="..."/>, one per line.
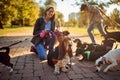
<point x="103" y="60"/>
<point x="66" y="33"/>
<point x="100" y="63"/>
<point x="77" y="40"/>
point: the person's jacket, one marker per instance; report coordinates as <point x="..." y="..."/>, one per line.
<point x="39" y="26"/>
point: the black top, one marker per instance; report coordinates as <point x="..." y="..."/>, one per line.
<point x="39" y="26"/>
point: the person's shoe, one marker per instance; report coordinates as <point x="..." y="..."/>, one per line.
<point x="94" y="44"/>
<point x="33" y="49"/>
<point x="43" y="59"/>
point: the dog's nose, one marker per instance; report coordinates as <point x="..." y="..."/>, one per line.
<point x="96" y="70"/>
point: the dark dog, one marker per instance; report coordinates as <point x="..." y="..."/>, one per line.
<point x="4" y="55"/>
<point x="100" y="50"/>
<point x="80" y="47"/>
<point x="5" y="58"/>
<point x="92" y="52"/>
<point x="113" y="35"/>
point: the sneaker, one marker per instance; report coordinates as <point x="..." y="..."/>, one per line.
<point x="94" y="44"/>
<point x="43" y="59"/>
<point x="33" y="49"/>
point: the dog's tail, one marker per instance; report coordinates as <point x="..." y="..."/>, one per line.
<point x="5" y="48"/>
<point x="105" y="28"/>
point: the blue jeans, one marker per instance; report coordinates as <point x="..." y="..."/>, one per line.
<point x="91" y="27"/>
<point x="41" y="51"/>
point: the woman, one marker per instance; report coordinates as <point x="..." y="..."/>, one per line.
<point x="96" y="20"/>
<point x="45" y="23"/>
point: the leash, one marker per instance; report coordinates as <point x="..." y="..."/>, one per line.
<point x="109" y="17"/>
<point x="86" y="1"/>
<point x="17" y="42"/>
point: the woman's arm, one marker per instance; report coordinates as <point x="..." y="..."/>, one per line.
<point x="37" y="27"/>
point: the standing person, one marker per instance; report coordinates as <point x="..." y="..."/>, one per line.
<point x="95" y="18"/>
<point x="45" y="23"/>
<point x="58" y="24"/>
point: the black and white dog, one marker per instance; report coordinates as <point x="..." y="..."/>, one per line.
<point x="5" y="58"/>
<point x="112" y="58"/>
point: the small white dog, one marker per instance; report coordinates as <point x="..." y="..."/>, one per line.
<point x="112" y="57"/>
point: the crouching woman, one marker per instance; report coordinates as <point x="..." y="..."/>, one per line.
<point x="45" y="23"/>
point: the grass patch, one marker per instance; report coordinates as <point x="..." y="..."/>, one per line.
<point x="14" y="29"/>
<point x="74" y="30"/>
<point x="20" y="29"/>
<point x="81" y="31"/>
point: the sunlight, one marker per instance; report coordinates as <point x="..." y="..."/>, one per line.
<point x="67" y="6"/>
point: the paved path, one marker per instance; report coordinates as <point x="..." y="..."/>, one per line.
<point x="27" y="65"/>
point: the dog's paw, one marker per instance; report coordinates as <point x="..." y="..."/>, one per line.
<point x="11" y="70"/>
<point x="105" y="71"/>
<point x="64" y="70"/>
<point x="56" y="72"/>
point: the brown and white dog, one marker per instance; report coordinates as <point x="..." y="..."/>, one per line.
<point x="60" y="57"/>
<point x="112" y="58"/>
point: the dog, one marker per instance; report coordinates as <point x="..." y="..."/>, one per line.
<point x="5" y="58"/>
<point x="112" y="58"/>
<point x="113" y="35"/>
<point x="79" y="53"/>
<point x="90" y="52"/>
<point x="4" y="55"/>
<point x="60" y="57"/>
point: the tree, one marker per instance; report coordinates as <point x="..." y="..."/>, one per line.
<point x="50" y="2"/>
<point x="19" y="11"/>
<point x="28" y="13"/>
<point x="115" y="16"/>
<point x="1" y="26"/>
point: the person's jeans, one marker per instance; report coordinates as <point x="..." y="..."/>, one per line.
<point x="41" y="48"/>
<point x="41" y="51"/>
<point x="100" y="28"/>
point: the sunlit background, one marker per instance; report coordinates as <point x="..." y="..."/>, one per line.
<point x="25" y="12"/>
<point x="68" y="6"/>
